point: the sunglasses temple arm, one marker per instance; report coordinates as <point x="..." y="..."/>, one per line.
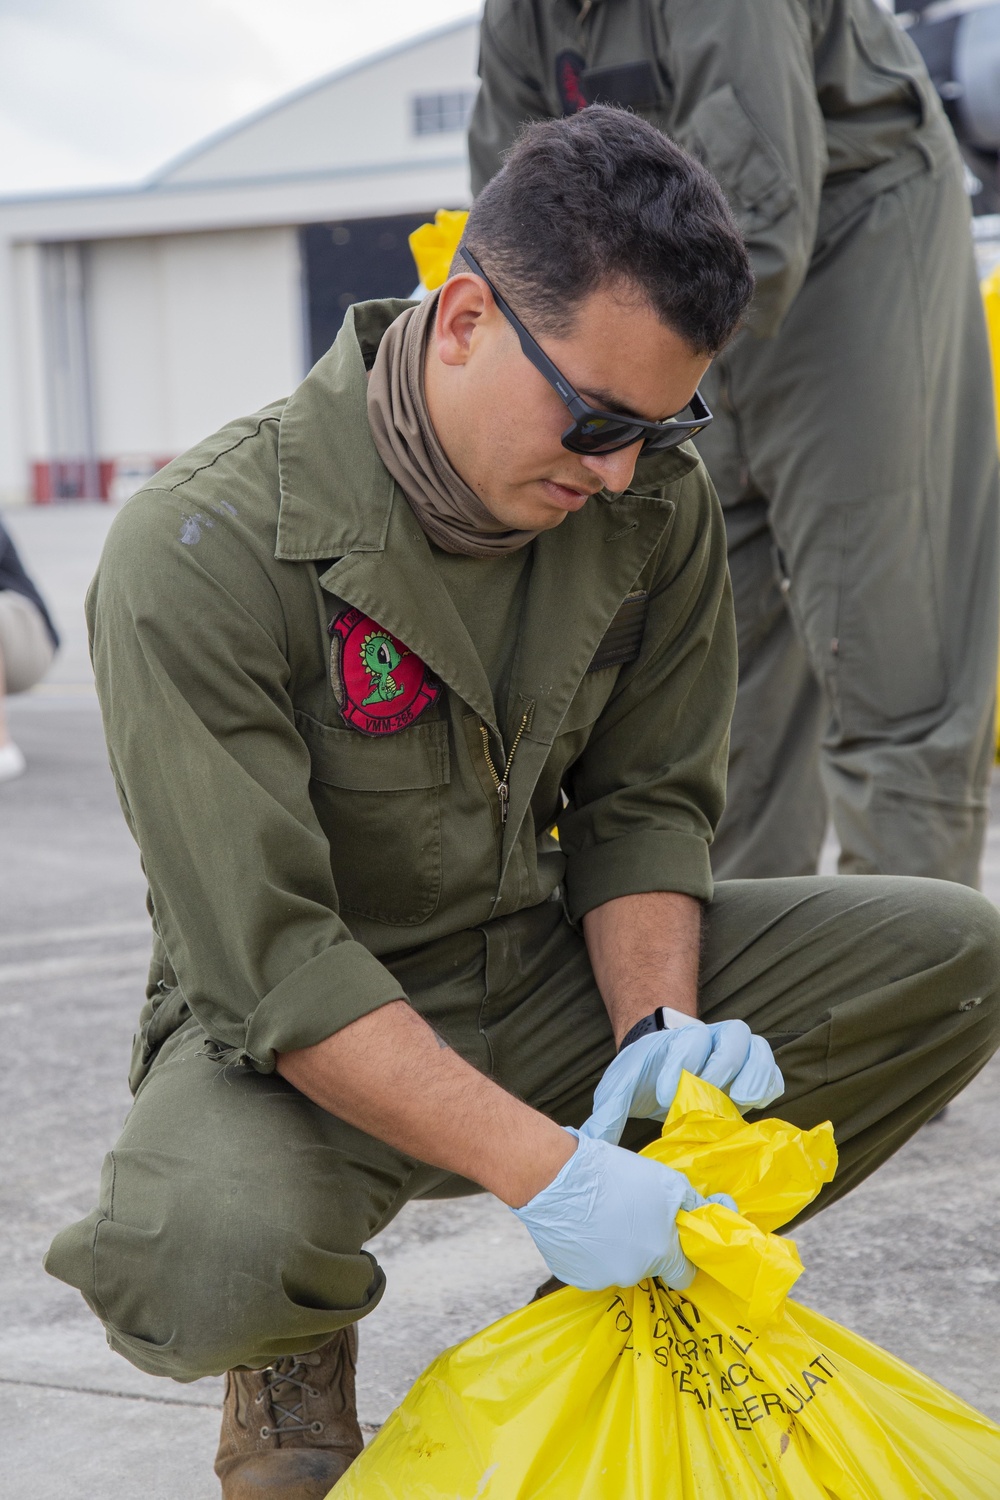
<point x="529" y="348"/>
<point x="706" y="414"/>
<point x="551" y="372"/>
<point x="536" y="354"/>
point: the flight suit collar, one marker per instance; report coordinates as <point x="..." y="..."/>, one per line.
<point x="336" y="493"/>
<point x="339" y="503"/>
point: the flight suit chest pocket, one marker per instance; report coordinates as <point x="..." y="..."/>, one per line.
<point x="378" y="799"/>
<point x="753" y="176"/>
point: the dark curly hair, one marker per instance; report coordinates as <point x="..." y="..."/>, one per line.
<point x="603" y="196"/>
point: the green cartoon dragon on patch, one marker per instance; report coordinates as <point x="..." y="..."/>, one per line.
<point x="380" y="685"/>
<point x="380" y="659"/>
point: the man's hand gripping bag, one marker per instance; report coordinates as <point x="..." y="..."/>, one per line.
<point x="723" y="1392"/>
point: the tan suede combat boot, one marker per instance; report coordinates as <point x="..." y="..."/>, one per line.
<point x="289" y="1432"/>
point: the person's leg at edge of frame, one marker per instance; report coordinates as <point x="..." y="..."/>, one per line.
<point x="26" y="652"/>
<point x="5" y="739"/>
<point x="12" y="761"/>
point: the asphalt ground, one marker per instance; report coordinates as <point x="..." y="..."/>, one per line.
<point x="910" y="1260"/>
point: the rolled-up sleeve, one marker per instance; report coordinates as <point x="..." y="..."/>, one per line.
<point x="647" y="792"/>
<point x="190" y="654"/>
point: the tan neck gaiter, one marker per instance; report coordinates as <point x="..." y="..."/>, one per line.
<point x="450" y="512"/>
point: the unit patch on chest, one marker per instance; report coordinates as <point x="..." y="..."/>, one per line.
<point x="570" y="67"/>
<point x="630" y="85"/>
<point x="380" y="686"/>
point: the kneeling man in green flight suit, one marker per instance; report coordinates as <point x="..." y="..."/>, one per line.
<point x="357" y="654"/>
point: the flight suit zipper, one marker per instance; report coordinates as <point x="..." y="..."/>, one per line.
<point x="502" y="783"/>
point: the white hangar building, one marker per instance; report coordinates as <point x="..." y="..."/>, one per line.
<point x="135" y="321"/>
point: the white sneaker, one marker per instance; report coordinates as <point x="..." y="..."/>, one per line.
<point x="12" y="762"/>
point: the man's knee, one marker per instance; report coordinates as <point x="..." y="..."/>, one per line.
<point x="979" y="920"/>
<point x="955" y="933"/>
<point x="191" y="1285"/>
<point x="962" y="921"/>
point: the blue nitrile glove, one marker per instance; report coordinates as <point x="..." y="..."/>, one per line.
<point x="609" y="1219"/>
<point x="640" y="1083"/>
<point x="743" y="1064"/>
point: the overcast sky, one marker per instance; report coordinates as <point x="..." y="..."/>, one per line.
<point x="104" y="91"/>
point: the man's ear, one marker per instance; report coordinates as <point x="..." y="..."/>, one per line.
<point x="463" y="304"/>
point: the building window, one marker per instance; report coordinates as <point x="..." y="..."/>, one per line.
<point x="437" y="114"/>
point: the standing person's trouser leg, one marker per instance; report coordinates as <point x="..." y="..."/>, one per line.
<point x="26" y="652"/>
<point x="868" y="426"/>
<point x="776" y="802"/>
<point x="233" y="1211"/>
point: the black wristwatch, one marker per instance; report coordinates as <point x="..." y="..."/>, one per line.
<point x="658" y="1021"/>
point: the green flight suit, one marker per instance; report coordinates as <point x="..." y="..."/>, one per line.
<point x="304" y="871"/>
<point x="853" y="446"/>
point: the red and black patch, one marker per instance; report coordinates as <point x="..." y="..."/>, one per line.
<point x="570" y="67"/>
<point x="381" y="686"/>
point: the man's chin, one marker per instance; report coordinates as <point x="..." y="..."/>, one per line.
<point x="544" y="518"/>
<point x="538" y="506"/>
<point x="536" y="516"/>
<point x="547" y="517"/>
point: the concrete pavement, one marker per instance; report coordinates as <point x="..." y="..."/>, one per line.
<point x="910" y="1259"/>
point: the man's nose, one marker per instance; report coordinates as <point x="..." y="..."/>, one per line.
<point x="614" y="470"/>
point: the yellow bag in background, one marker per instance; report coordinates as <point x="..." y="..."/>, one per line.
<point x="724" y="1392"/>
<point x="991" y="305"/>
<point x="990" y="289"/>
<point x="433" y="246"/>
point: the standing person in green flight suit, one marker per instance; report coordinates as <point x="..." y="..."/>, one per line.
<point x="853" y="446"/>
<point x="356" y="655"/>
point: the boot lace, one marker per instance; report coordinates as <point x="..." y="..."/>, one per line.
<point x="288" y="1390"/>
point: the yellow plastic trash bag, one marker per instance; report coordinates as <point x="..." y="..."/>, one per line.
<point x="723" y="1392"/>
<point x="991" y="304"/>
<point x="434" y="245"/>
<point x="990" y="289"/>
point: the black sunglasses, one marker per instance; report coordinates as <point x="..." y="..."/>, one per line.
<point x="593" y="430"/>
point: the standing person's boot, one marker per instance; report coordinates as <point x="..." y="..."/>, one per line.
<point x="289" y="1432"/>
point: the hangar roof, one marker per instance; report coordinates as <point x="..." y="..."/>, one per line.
<point x="385" y="135"/>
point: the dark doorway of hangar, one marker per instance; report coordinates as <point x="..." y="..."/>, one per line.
<point x="354" y="260"/>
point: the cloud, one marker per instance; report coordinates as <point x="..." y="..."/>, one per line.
<point x="312" y="29"/>
<point x="29" y="163"/>
<point x="106" y="90"/>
